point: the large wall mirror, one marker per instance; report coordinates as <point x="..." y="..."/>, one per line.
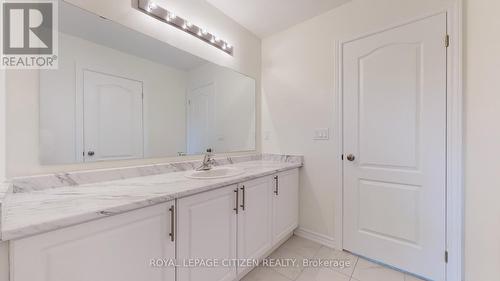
<point x="119" y="94"/>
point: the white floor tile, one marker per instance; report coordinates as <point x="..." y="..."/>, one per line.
<point x="292" y="271"/>
<point x="369" y="271"/>
<point x="350" y="260"/>
<point x="264" y="274"/>
<point x="412" y="278"/>
<point x="302" y="246"/>
<point x="322" y="274"/>
<point x="298" y="249"/>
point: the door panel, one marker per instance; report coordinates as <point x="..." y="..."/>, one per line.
<point x="254" y="220"/>
<point x="396" y="88"/>
<point x="206" y="229"/>
<point x="285" y="205"/>
<point x="113" y="121"/>
<point x="201" y="119"/>
<point x="394" y="92"/>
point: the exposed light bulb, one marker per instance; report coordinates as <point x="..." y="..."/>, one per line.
<point x="152" y="6"/>
<point x="171" y="16"/>
<point x="187" y="25"/>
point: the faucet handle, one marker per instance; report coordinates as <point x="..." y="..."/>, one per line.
<point x="209" y="150"/>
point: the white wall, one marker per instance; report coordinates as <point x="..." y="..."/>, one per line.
<point x="4" y="261"/>
<point x="298" y="94"/>
<point x="22" y="86"/>
<point x="4" y="257"/>
<point x="298" y="77"/>
<point x="234" y="106"/>
<point x="482" y="140"/>
<point x="2" y="126"/>
<point x="164" y="99"/>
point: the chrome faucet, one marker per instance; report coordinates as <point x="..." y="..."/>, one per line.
<point x="208" y="162"/>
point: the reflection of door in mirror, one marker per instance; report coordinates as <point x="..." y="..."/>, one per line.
<point x="201" y="119"/>
<point x="113" y="121"/>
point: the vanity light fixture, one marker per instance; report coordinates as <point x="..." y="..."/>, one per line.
<point x="152" y="9"/>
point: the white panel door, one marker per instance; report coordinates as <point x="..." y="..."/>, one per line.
<point x="114" y="248"/>
<point x="207" y="230"/>
<point x="394" y="92"/>
<point x="285" y="204"/>
<point x="201" y="119"/>
<point x="113" y="121"/>
<point x="254" y="220"/>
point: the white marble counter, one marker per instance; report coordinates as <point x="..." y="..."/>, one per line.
<point x="5" y="188"/>
<point x="29" y="213"/>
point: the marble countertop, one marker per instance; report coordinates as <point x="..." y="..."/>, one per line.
<point x="28" y="213"/>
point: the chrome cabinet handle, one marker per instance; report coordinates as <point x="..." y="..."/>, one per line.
<point x="237" y="200"/>
<point x="351" y="157"/>
<point x="172" y="223"/>
<point x="90" y="153"/>
<point x="276" y="188"/>
<point x="243" y="202"/>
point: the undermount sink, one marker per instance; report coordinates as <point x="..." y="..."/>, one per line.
<point x="215" y="173"/>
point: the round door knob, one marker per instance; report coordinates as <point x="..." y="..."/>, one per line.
<point x="90" y="153"/>
<point x="351" y="157"/>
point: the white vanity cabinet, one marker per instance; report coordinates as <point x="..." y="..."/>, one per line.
<point x="254" y="220"/>
<point x="285" y="204"/>
<point x="206" y="227"/>
<point x="114" y="248"/>
<point x="244" y="221"/>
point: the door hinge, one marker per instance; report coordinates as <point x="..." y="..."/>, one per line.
<point x="446" y="256"/>
<point x="447" y="41"/>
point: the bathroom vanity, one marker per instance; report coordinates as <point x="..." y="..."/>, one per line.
<point x="126" y="98"/>
<point x="138" y="228"/>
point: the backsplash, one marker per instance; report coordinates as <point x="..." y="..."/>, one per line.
<point x="34" y="183"/>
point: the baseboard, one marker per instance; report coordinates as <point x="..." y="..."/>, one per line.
<point x="316" y="237"/>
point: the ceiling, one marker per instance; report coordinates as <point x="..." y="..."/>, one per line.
<point x="265" y="17"/>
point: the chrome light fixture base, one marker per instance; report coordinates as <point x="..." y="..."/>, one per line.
<point x="152" y="9"/>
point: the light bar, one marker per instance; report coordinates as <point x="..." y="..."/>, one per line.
<point x="151" y="8"/>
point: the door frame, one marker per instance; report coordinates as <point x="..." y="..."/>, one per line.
<point x="454" y="140"/>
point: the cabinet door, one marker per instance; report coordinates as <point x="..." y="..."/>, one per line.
<point x="207" y="231"/>
<point x="115" y="248"/>
<point x="254" y="220"/>
<point x="285" y="204"/>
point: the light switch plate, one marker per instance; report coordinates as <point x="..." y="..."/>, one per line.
<point x="321" y="134"/>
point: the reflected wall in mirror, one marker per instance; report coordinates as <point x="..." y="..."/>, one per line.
<point x="119" y="94"/>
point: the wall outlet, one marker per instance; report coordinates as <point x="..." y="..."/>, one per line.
<point x="321" y="134"/>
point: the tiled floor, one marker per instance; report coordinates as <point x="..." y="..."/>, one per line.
<point x="300" y="248"/>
